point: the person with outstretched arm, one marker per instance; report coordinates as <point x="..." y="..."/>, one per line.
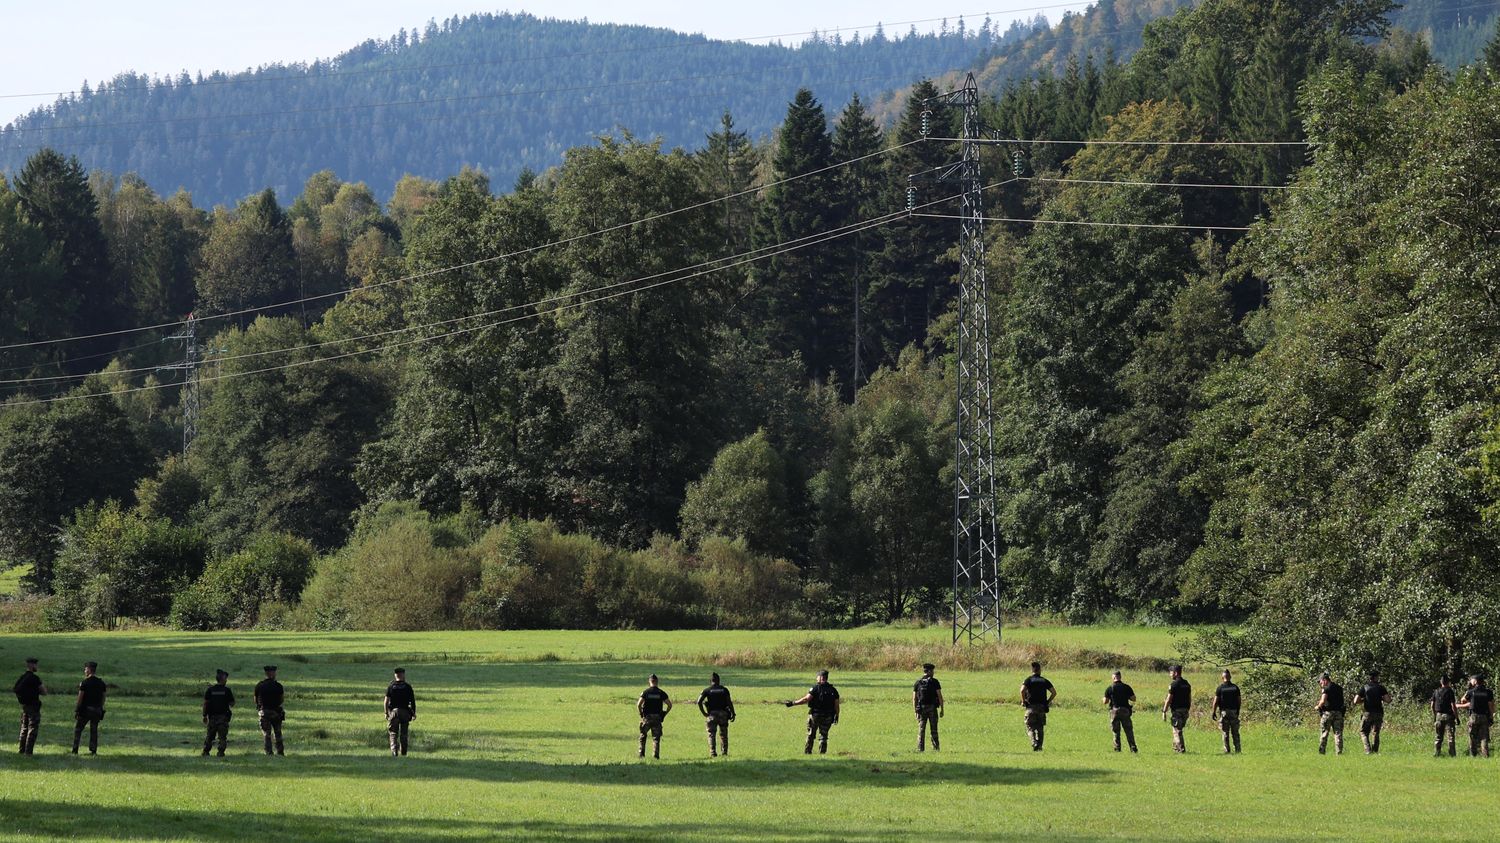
<point x="823" y="707"/>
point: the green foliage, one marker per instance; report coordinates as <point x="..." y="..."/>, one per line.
<point x="114" y="563"/>
<point x="232" y="590"/>
<point x="248" y="259"/>
<point x="743" y="496"/>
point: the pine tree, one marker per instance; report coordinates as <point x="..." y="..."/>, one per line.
<point x="858" y="187"/>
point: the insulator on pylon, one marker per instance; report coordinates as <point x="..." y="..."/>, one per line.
<point x="1017" y="164"/>
<point x="926" y="123"/>
<point x="911" y="198"/>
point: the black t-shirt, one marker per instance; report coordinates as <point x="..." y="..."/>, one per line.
<point x="1118" y="695"/>
<point x="715" y="698"/>
<point x="1227" y="696"/>
<point x="822" y="697"/>
<point x="1180" y="694"/>
<point x="29" y="689"/>
<point x="93" y="690"/>
<point x="1480" y="698"/>
<point x="270" y="693"/>
<point x="1372" y="696"/>
<point x="653" y="700"/>
<point x="1443" y="700"/>
<point x="400" y="695"/>
<point x="1035" y="690"/>
<point x="218" y="699"/>
<point x="1333" y="697"/>
<point x="927" y="689"/>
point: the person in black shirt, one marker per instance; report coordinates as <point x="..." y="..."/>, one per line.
<point x="653" y="705"/>
<point x="1480" y="701"/>
<point x="1179" y="703"/>
<point x="823" y="708"/>
<point x="1121" y="701"/>
<point x="218" y="705"/>
<point x="718" y="709"/>
<point x="1444" y="717"/>
<point x="1330" y="709"/>
<point x="400" y="710"/>
<point x="89" y="709"/>
<point x="1037" y="695"/>
<point x="1226" y="710"/>
<point x="29" y="692"/>
<point x="1373" y="696"/>
<point x="927" y="698"/>
<point x="269" y="696"/>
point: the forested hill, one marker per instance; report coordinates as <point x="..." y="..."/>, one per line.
<point x="496" y="92"/>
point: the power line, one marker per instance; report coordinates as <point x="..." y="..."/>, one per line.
<point x="509" y="308"/>
<point x="470" y="264"/>
<point x="777" y="249"/>
<point x="212" y="82"/>
<point x="1003" y="141"/>
<point x="1162" y="184"/>
<point x="1097" y="223"/>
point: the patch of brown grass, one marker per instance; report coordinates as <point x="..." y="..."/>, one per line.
<point x="880" y="654"/>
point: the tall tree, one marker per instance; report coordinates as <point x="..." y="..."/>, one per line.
<point x="858" y="186"/>
<point x="248" y="260"/>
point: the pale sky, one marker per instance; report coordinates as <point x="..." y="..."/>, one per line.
<point x="56" y="46"/>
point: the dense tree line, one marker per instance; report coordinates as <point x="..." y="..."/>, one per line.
<point x="1287" y="420"/>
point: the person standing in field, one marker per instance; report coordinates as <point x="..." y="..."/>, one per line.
<point x="1178" y="703"/>
<point x="1037" y="695"/>
<point x="1120" y="698"/>
<point x="218" y="709"/>
<point x="1480" y="701"/>
<point x="1226" y="710"/>
<point x="718" y="712"/>
<point x="88" y="710"/>
<point x="29" y="692"/>
<point x="823" y="707"/>
<point x="927" y="698"/>
<point x="269" y="696"/>
<point x="1373" y="696"/>
<point x="1444" y="717"/>
<point x="400" y="710"/>
<point x="1330" y="710"/>
<point x="653" y="705"/>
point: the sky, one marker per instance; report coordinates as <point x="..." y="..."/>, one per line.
<point x="56" y="46"/>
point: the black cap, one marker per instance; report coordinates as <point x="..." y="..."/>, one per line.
<point x="91" y="665"/>
<point x="653" y="678"/>
<point x="1325" y="675"/>
<point x="400" y="671"/>
<point x="823" y="673"/>
<point x="31" y="660"/>
<point x="221" y="672"/>
<point x="1036" y="666"/>
<point x="929" y="667"/>
<point x="713" y="677"/>
<point x="270" y="668"/>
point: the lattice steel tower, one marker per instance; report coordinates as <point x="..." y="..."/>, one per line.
<point x="192" y="359"/>
<point x="976" y="552"/>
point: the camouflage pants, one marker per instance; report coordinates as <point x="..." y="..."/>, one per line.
<point x="718" y="724"/>
<point x="1444" y="723"/>
<point x="87" y="717"/>
<point x="217" y="728"/>
<point x="1369" y="730"/>
<point x="1179" y="723"/>
<point x="1036" y="726"/>
<point x="651" y="723"/>
<point x="1331" y="723"/>
<point x="927" y="718"/>
<point x="1229" y="727"/>
<point x="31" y="723"/>
<point x="270" y="727"/>
<point x="818" y="725"/>
<point x="1119" y="721"/>
<point x="398" y="728"/>
<point x="1479" y="734"/>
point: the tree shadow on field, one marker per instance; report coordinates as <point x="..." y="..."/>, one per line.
<point x="725" y="775"/>
<point x="64" y="820"/>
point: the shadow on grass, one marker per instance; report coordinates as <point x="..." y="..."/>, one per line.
<point x="63" y="820"/>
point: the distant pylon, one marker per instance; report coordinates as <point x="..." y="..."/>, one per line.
<point x="192" y="358"/>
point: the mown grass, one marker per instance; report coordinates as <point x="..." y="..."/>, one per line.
<point x="532" y="735"/>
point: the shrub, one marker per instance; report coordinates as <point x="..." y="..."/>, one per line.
<point x="232" y="589"/>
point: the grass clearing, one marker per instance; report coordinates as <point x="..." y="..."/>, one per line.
<point x="533" y="734"/>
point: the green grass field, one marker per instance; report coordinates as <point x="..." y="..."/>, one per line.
<point x="532" y="734"/>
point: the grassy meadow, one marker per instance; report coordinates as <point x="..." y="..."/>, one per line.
<point x="533" y="734"/>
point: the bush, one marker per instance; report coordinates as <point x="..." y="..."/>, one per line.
<point x="232" y="590"/>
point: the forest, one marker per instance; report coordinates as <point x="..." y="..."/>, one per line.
<point x="1244" y="298"/>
